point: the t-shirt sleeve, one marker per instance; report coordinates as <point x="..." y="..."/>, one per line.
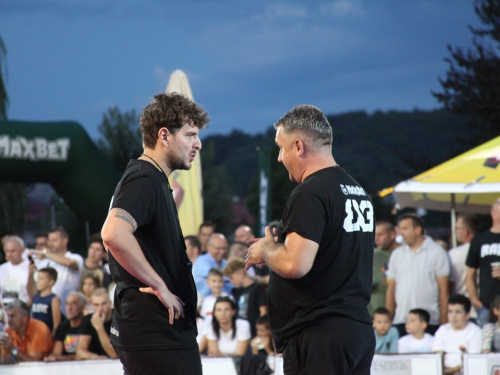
<point x="442" y="265"/>
<point x="392" y="267"/>
<point x="475" y="342"/>
<point x="261" y="296"/>
<point x="473" y="254"/>
<point x="60" y="335"/>
<point x="138" y="198"/>
<point x="209" y="332"/>
<point x="87" y="325"/>
<point x="439" y="344"/>
<point x="305" y="215"/>
<point x="243" y="330"/>
<point x="393" y="346"/>
<point x="42" y="340"/>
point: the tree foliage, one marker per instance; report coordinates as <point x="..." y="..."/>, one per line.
<point x="472" y="83"/>
<point x="121" y="138"/>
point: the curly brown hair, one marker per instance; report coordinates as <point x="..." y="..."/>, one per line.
<point x="171" y="111"/>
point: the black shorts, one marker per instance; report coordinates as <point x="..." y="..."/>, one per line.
<point x="160" y="362"/>
<point x="332" y="346"/>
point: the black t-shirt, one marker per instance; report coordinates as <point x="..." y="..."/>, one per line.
<point x="69" y="336"/>
<point x="88" y="329"/>
<point x="249" y="300"/>
<point x="331" y="209"/>
<point x="140" y="320"/>
<point x="484" y="249"/>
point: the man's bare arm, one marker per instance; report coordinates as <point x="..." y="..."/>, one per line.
<point x="291" y="260"/>
<point x="470" y="282"/>
<point x="117" y="235"/>
<point x="390" y="297"/>
<point x="444" y="295"/>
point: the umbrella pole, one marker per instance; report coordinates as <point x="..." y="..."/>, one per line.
<point x="453" y="221"/>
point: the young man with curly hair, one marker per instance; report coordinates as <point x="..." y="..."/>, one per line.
<point x="154" y="322"/>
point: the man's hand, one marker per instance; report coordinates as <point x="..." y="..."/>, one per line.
<point x="50" y="358"/>
<point x="254" y="252"/>
<point x="40" y="254"/>
<point x="97" y="320"/>
<point x="495" y="272"/>
<point x="174" y="304"/>
<point x="5" y="342"/>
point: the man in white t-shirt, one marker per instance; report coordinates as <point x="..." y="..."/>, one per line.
<point x="458" y="336"/>
<point x="14" y="273"/>
<point x="466" y="227"/>
<point x="68" y="265"/>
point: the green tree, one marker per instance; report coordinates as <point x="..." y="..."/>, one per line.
<point x="472" y="83"/>
<point x="121" y="137"/>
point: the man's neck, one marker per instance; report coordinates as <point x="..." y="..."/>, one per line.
<point x="75" y="322"/>
<point x="495" y="228"/>
<point x="394" y="245"/>
<point x="316" y="163"/>
<point x="22" y="332"/>
<point x="91" y="263"/>
<point x="46" y="292"/>
<point x="417" y="244"/>
<point x="156" y="158"/>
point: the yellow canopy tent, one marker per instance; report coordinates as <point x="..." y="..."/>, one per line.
<point x="187" y="186"/>
<point x="469" y="182"/>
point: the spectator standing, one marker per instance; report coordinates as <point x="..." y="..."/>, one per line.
<point x="14" y="274"/>
<point x="418" y="276"/>
<point x="417" y="340"/>
<point x="227" y="336"/>
<point x="484" y="255"/>
<point x="41" y="241"/>
<point x="46" y="305"/>
<point x="28" y="339"/>
<point x="386" y="336"/>
<point x="466" y="227"/>
<point x="243" y="234"/>
<point x="458" y="336"/>
<point x="214" y="258"/>
<point x="94" y="342"/>
<point x="250" y="297"/>
<point x="67" y="264"/>
<point x="206" y="229"/>
<point x="68" y="332"/>
<point x="193" y="247"/>
<point x="385" y="240"/>
<point x="93" y="263"/>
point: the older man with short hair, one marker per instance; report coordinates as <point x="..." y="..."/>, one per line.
<point x="28" y="339"/>
<point x="14" y="274"/>
<point x="214" y="258"/>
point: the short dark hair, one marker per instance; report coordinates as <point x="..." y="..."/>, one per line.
<point x="207" y="224"/>
<point x="423" y="315"/>
<point x="495" y="304"/>
<point x="171" y="111"/>
<point x="194" y="241"/>
<point x="43" y="234"/>
<point x="215" y="271"/>
<point x="263" y="320"/>
<point x="472" y="222"/>
<point x="387" y="224"/>
<point x="416" y="220"/>
<point x="381" y="311"/>
<point x="52" y="273"/>
<point x="61" y="230"/>
<point x="459" y="299"/>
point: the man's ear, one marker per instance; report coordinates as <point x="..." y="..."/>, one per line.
<point x="163" y="136"/>
<point x="299" y="147"/>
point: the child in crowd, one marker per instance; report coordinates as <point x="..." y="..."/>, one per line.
<point x="46" y="305"/>
<point x="215" y="281"/>
<point x="458" y="336"/>
<point x="250" y="296"/>
<point x="89" y="284"/>
<point x="263" y="342"/>
<point x="386" y="335"/>
<point x="416" y="341"/>
<point x="491" y="331"/>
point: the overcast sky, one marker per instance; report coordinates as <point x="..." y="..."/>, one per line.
<point x="248" y="61"/>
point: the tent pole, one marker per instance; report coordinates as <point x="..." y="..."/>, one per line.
<point x="453" y="221"/>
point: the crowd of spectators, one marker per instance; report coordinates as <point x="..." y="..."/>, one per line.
<point x="57" y="306"/>
<point x="427" y="298"/>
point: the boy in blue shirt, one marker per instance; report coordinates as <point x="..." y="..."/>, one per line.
<point x="386" y="335"/>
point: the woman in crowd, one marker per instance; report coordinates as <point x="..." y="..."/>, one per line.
<point x="227" y="336"/>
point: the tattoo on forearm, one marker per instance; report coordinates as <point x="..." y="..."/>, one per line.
<point x="124" y="215"/>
